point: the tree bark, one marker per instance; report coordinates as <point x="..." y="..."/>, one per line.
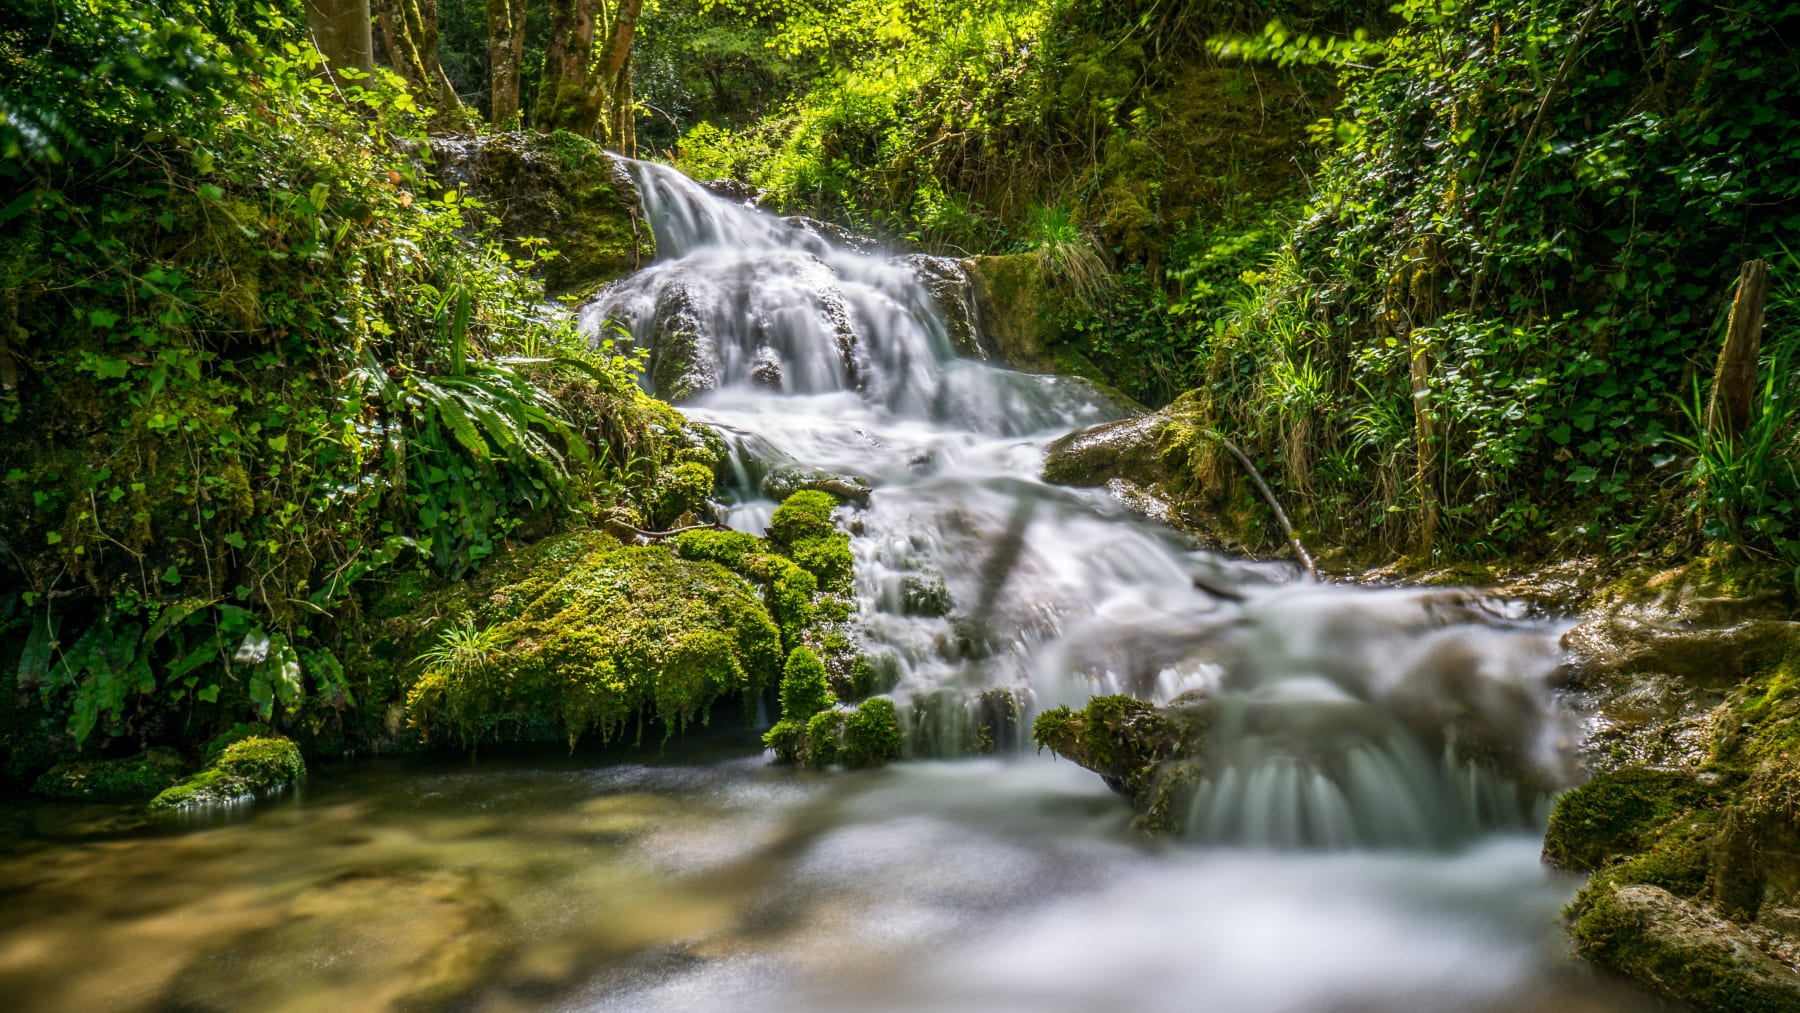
<point x="409" y="31"/>
<point x="1733" y="403"/>
<point x="506" y="52"/>
<point x="1425" y="433"/>
<point x="585" y="92"/>
<point x="340" y="30"/>
<point x="562" y="96"/>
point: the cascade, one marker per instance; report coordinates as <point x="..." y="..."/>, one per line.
<point x="1336" y="707"/>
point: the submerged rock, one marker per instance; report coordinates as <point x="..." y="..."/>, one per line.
<point x="1150" y="754"/>
<point x="1684" y="950"/>
<point x="248" y="767"/>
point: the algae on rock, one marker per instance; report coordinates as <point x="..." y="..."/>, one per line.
<point x="1147" y="753"/>
<point x="125" y="780"/>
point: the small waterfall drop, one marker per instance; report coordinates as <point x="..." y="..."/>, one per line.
<point x="1343" y="717"/>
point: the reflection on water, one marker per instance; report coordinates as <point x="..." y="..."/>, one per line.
<point x="731" y="885"/>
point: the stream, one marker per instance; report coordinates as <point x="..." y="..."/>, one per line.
<point x="1338" y="857"/>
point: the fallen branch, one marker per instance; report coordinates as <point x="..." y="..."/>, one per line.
<point x="853" y="491"/>
<point x="1268" y="496"/>
<point x="630" y="532"/>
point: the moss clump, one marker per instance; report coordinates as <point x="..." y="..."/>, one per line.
<point x="823" y="732"/>
<point x="580" y="634"/>
<point x="802" y="516"/>
<point x="681" y="490"/>
<point x="827" y="559"/>
<point x="805" y="688"/>
<point x="726" y="548"/>
<point x="128" y="780"/>
<point x="871" y="734"/>
<point x="1681" y="950"/>
<point x="1618" y="813"/>
<point x="246" y="767"/>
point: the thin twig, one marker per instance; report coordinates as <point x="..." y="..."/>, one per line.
<point x="1281" y="517"/>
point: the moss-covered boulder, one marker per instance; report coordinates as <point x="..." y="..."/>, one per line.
<point x="131" y="779"/>
<point x="1690" y="821"/>
<point x="556" y="187"/>
<point x="1147" y="753"/>
<point x="1014" y="304"/>
<point x="871" y="734"/>
<point x="247" y="767"/>
<point x="580" y="634"/>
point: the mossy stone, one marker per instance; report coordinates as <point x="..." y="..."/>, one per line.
<point x="802" y="516"/>
<point x="247" y="767"/>
<point x="1616" y="814"/>
<point x="823" y="731"/>
<point x="585" y="635"/>
<point x="871" y="735"/>
<point x="805" y="687"/>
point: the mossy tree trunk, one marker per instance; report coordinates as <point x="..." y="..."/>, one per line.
<point x="340" y="29"/>
<point x="409" y="31"/>
<point x="506" y="51"/>
<point x="584" y="91"/>
<point x="1733" y="403"/>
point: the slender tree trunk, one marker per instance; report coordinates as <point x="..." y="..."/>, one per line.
<point x="611" y="84"/>
<point x="506" y="51"/>
<point x="340" y="29"/>
<point x="1425" y="432"/>
<point x="1733" y="403"/>
<point x="409" y="31"/>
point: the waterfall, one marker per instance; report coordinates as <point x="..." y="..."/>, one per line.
<point x="1343" y="716"/>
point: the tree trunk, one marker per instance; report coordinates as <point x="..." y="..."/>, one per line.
<point x="409" y="30"/>
<point x="562" y="97"/>
<point x="340" y="29"/>
<point x="1425" y="432"/>
<point x="506" y="51"/>
<point x="584" y="92"/>
<point x="1728" y="415"/>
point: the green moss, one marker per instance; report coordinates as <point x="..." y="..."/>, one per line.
<point x="727" y="548"/>
<point x="1618" y="813"/>
<point x="804" y="515"/>
<point x="1678" y="950"/>
<point x="827" y="558"/>
<point x="246" y="767"/>
<point x="805" y="690"/>
<point x="681" y="490"/>
<point x="126" y="780"/>
<point x="591" y="636"/>
<point x="823" y="731"/>
<point x="871" y="734"/>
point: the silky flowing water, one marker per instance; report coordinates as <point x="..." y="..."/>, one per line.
<point x="1337" y="858"/>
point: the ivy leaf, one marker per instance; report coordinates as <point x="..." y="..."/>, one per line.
<point x="171" y="575"/>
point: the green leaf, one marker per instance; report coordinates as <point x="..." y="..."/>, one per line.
<point x="171" y="575"/>
<point x="208" y="695"/>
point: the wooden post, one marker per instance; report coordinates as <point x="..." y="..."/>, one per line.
<point x="1734" y="378"/>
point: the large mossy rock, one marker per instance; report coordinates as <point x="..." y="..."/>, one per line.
<point x="1690" y="826"/>
<point x="580" y="633"/>
<point x="560" y="188"/>
<point x="248" y="767"/>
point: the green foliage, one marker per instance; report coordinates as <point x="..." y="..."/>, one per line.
<point x="823" y="731"/>
<point x="252" y="355"/>
<point x="827" y="559"/>
<point x="805" y="691"/>
<point x="1526" y="225"/>
<point x="126" y="780"/>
